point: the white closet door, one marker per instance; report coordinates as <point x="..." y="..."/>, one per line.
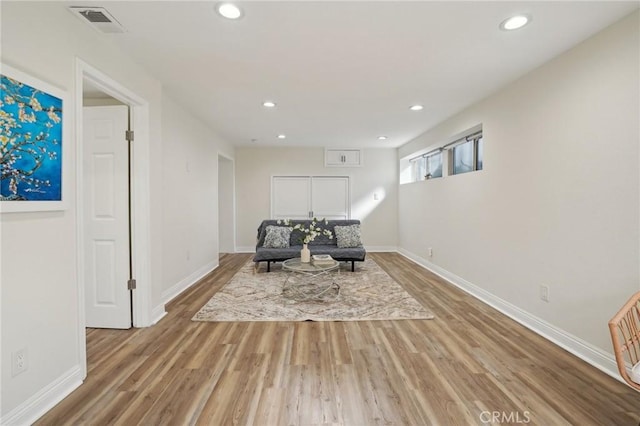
<point x="330" y="197"/>
<point x="298" y="197"/>
<point x="291" y="197"/>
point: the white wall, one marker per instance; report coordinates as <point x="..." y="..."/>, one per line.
<point x="38" y="250"/>
<point x="39" y="304"/>
<point x="189" y="205"/>
<point x="256" y="166"/>
<point x="558" y="200"/>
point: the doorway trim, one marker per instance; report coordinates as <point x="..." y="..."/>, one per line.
<point x="140" y="203"/>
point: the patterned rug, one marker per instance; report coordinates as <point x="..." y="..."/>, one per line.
<point x="367" y="294"/>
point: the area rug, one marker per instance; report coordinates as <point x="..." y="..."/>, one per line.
<point x="369" y="293"/>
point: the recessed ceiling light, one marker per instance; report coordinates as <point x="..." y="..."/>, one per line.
<point x="515" y="22"/>
<point x="416" y="107"/>
<point x="229" y="10"/>
<point x="282" y="136"/>
<point x="268" y="104"/>
<point x="382" y="138"/>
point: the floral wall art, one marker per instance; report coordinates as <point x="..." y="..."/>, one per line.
<point x="31" y="143"/>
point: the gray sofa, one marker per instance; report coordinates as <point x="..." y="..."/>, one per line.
<point x="321" y="245"/>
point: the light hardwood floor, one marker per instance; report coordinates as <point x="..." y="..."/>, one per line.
<point x="469" y="365"/>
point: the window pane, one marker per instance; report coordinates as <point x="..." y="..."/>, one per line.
<point x="480" y="154"/>
<point x="463" y="158"/>
<point x="418" y="169"/>
<point x="434" y="165"/>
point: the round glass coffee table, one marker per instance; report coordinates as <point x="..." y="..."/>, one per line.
<point x="309" y="281"/>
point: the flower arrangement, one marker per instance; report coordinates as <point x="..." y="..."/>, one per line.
<point x="311" y="231"/>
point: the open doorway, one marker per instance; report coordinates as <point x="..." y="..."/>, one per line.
<point x="106" y="93"/>
<point x="226" y="206"/>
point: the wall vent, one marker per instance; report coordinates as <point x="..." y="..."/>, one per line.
<point x="98" y="18"/>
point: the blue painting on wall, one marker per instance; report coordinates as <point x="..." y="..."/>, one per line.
<point x="30" y="143"/>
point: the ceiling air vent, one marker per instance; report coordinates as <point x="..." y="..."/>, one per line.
<point x="98" y="18"/>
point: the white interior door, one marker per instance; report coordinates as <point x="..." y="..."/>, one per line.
<point x="299" y="197"/>
<point x="330" y="197"/>
<point x="106" y="216"/>
<point x="290" y="197"/>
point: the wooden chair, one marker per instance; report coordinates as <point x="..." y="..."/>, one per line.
<point x="625" y="335"/>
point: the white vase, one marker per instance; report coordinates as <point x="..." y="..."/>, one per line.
<point x="305" y="254"/>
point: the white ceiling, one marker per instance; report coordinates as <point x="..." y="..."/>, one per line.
<point x="343" y="73"/>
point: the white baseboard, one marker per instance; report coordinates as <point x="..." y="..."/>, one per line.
<point x="383" y="249"/>
<point x="578" y="347"/>
<point x="158" y="313"/>
<point x="36" y="406"/>
<point x="187" y="282"/>
<point x="247" y="249"/>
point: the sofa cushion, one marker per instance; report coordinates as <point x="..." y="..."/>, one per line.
<point x="355" y="253"/>
<point x="277" y="236"/>
<point x="348" y="236"/>
<point x="297" y="236"/>
<point x="280" y="254"/>
<point x="265" y="253"/>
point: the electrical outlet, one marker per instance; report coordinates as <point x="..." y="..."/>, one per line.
<point x="430" y="252"/>
<point x="19" y="362"/>
<point x="544" y="293"/>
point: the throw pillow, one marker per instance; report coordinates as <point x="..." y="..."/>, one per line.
<point x="277" y="237"/>
<point x="348" y="236"/>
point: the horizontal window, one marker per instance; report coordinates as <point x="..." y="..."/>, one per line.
<point x="434" y="165"/>
<point x="467" y="156"/>
<point x="426" y="167"/>
<point x="464" y="154"/>
<point x="418" y="169"/>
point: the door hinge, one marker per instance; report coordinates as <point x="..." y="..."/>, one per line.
<point x="131" y="284"/>
<point x="128" y="134"/>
